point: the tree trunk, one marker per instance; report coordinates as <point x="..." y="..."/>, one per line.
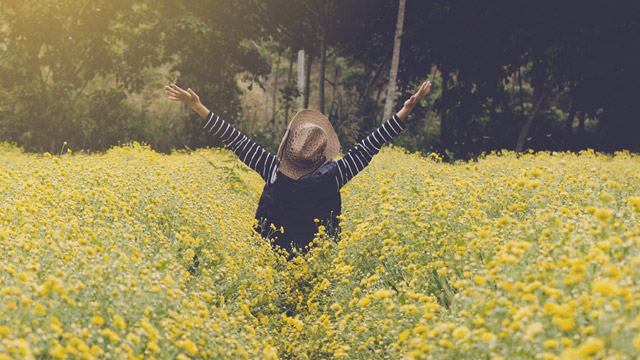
<point x="266" y="99"/>
<point x="301" y="81"/>
<point x="581" y="123"/>
<point x="378" y="93"/>
<point x="580" y="135"/>
<point x="444" y="138"/>
<point x="335" y="83"/>
<point x="323" y="59"/>
<point x="521" y="96"/>
<point x="568" y="127"/>
<point x="391" y="91"/>
<point x="307" y="86"/>
<point x="275" y="89"/>
<point x="534" y="112"/>
<point x="367" y="90"/>
<point x="287" y="103"/>
<point x="52" y="145"/>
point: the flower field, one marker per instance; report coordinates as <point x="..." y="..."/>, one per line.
<point x="133" y="254"/>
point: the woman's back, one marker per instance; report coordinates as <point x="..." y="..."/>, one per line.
<point x="295" y="205"/>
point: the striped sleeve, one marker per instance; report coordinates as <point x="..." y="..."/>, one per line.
<point x="359" y="157"/>
<point x="248" y="151"/>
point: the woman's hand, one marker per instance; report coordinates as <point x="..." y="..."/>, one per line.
<point x="414" y="100"/>
<point x="186" y="96"/>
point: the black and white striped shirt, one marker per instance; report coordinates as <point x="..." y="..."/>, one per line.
<point x="264" y="163"/>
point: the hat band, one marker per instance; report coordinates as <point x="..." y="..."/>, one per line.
<point x="302" y="164"/>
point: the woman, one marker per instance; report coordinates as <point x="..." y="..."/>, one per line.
<point x="302" y="181"/>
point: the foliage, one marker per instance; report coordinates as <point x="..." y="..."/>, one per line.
<point x="68" y="67"/>
<point x="131" y="253"/>
<point x="518" y="73"/>
<point x="52" y="52"/>
<point x="208" y="37"/>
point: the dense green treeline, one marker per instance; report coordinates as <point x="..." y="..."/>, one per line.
<point x="507" y="74"/>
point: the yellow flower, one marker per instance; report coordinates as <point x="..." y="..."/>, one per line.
<point x="519" y="221"/>
<point x="269" y="352"/>
<point x="488" y="337"/>
<point x="113" y="337"/>
<point x="153" y="346"/>
<point x="445" y="343"/>
<point x="133" y="338"/>
<point x="479" y="280"/>
<point x="364" y="301"/>
<point x="460" y="332"/>
<point x="590" y="347"/>
<point x="58" y="352"/>
<point x="565" y="324"/>
<point x="190" y="347"/>
<point x="478" y="321"/>
<point x="636" y="341"/>
<point x="533" y="329"/>
<point x="603" y="214"/>
<point x="119" y="321"/>
<point x="403" y="336"/>
<point x="606" y="287"/>
<point x="534" y="183"/>
<point x="536" y="173"/>
<point x="39" y="309"/>
<point x="97" y="320"/>
<point x="382" y="293"/>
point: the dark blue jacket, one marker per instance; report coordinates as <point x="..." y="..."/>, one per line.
<point x="295" y="205"/>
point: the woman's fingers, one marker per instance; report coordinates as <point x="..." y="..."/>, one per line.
<point x="171" y="91"/>
<point x="178" y="94"/>
<point x="174" y="97"/>
<point x="424" y="89"/>
<point x="180" y="90"/>
<point x="420" y="93"/>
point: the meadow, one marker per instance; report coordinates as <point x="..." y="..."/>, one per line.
<point x="133" y="254"/>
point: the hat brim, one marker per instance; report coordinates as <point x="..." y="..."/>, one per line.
<point x="331" y="150"/>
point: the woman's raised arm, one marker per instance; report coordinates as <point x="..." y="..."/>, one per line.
<point x="359" y="157"/>
<point x="248" y="151"/>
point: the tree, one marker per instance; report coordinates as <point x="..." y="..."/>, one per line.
<point x="395" y="59"/>
<point x="211" y="42"/>
<point x="50" y="54"/>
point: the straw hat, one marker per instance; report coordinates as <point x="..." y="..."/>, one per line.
<point x="309" y="143"/>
